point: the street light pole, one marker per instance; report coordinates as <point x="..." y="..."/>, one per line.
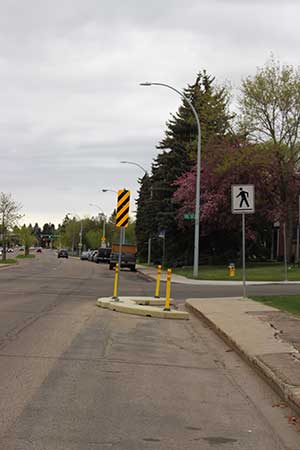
<point x="80" y="234"/>
<point x="103" y="241"/>
<point x="198" y="172"/>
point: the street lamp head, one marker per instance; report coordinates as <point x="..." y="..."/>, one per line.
<point x="135" y="164"/>
<point x="146" y="83"/>
<point x="109" y="190"/>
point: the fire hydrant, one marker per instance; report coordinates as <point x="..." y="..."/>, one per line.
<point x="231" y="268"/>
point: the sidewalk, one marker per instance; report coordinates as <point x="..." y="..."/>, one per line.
<point x="150" y="272"/>
<point x="267" y="338"/>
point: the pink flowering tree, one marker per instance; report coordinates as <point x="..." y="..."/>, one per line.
<point x="233" y="162"/>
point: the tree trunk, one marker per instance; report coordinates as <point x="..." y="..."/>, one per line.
<point x="4" y="244"/>
<point x="3" y="240"/>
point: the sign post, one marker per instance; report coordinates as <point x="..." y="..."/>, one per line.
<point x="122" y="219"/>
<point x="242" y="202"/>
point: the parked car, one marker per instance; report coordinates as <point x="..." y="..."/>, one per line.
<point x="62" y="253"/>
<point x="94" y="256"/>
<point x="103" y="255"/>
<point x="91" y="254"/>
<point x="10" y="250"/>
<point x="84" y="255"/>
<point x="39" y="250"/>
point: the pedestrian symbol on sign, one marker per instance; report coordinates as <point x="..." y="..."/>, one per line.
<point x="243" y="194"/>
<point x="242" y="199"/>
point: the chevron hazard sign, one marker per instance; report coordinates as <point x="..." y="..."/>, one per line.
<point x="123" y="208"/>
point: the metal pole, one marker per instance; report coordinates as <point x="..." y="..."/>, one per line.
<point x="198" y="173"/>
<point x="278" y="243"/>
<point x="73" y="239"/>
<point x="164" y="251"/>
<point x="80" y="241"/>
<point x="119" y="264"/>
<point x="285" y="255"/>
<point x="244" y="255"/>
<point x="149" y="250"/>
<point x="272" y="244"/>
<point x="103" y="241"/>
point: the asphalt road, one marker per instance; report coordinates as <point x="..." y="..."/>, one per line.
<point x="77" y="377"/>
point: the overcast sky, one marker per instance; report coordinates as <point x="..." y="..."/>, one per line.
<point x="71" y="106"/>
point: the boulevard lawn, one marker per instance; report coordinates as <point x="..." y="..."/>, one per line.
<point x="25" y="256"/>
<point x="289" y="303"/>
<point x="254" y="272"/>
<point x="8" y="261"/>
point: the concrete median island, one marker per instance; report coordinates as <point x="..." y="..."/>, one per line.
<point x="142" y="306"/>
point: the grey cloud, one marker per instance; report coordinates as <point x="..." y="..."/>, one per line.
<point x="71" y="107"/>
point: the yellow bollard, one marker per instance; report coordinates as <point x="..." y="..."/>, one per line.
<point x="168" y="290"/>
<point x="158" y="282"/>
<point x="115" y="296"/>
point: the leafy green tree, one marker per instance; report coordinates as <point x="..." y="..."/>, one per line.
<point x="27" y="237"/>
<point x="93" y="239"/>
<point x="9" y="216"/>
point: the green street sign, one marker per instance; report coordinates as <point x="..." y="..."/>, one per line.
<point x="189" y="216"/>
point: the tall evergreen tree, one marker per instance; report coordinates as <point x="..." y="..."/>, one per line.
<point x="144" y="216"/>
<point x="177" y="155"/>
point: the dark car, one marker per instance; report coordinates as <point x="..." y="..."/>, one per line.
<point x="62" y="254"/>
<point x="103" y="255"/>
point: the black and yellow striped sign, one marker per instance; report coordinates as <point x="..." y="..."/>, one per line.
<point x="123" y="208"/>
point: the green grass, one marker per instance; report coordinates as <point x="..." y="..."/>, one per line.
<point x="25" y="256"/>
<point x="8" y="261"/>
<point x="289" y="303"/>
<point x="254" y="272"/>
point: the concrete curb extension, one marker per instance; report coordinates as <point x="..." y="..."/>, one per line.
<point x="288" y="392"/>
<point x="128" y="305"/>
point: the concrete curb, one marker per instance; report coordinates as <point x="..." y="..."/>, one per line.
<point x="6" y="266"/>
<point x="288" y="392"/>
<point x="128" y="305"/>
<point x="145" y="276"/>
<point x="180" y="279"/>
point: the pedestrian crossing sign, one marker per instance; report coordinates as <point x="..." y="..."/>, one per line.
<point x="242" y="199"/>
